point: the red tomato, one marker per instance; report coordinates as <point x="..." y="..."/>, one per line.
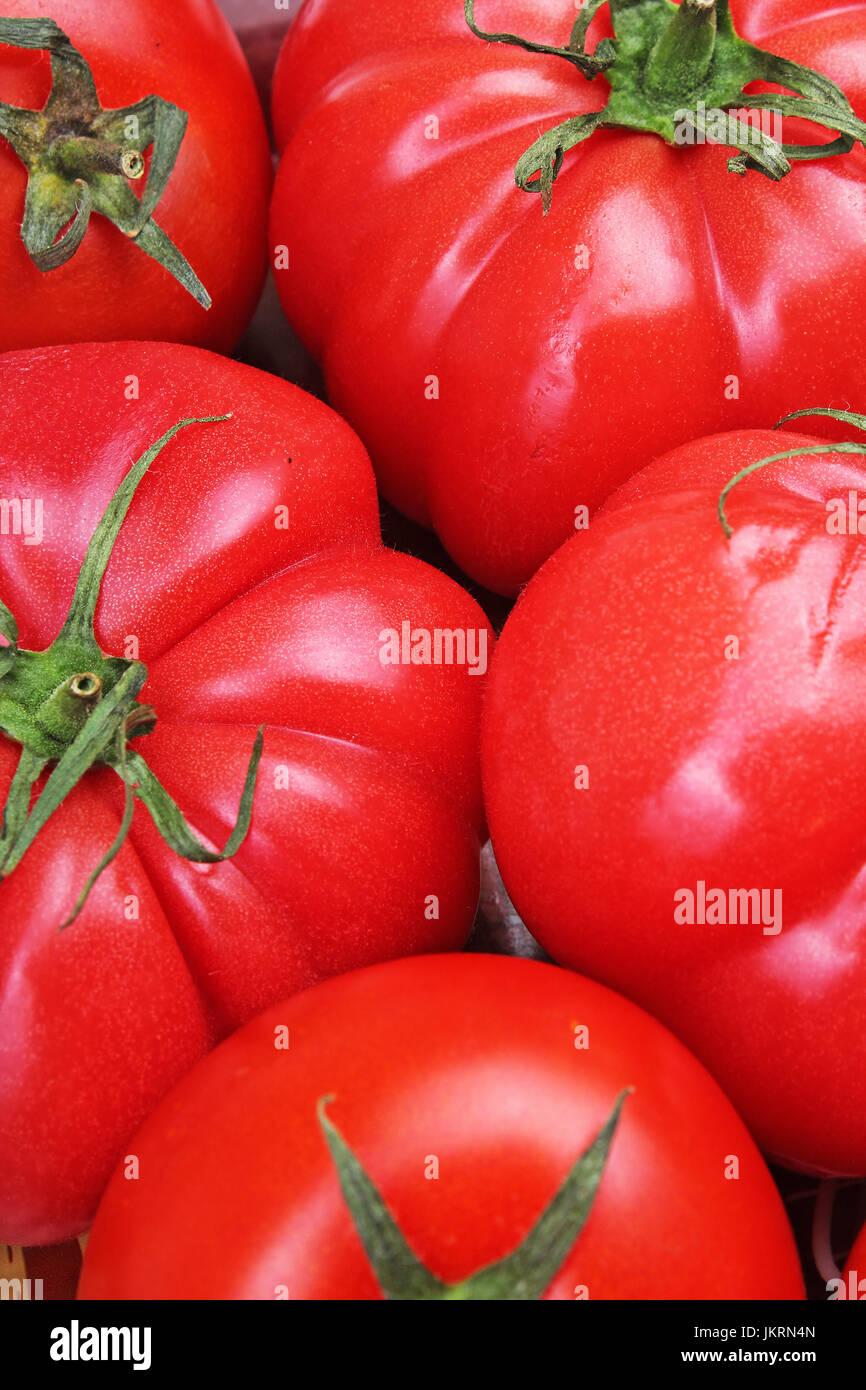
<point x="366" y="817"/>
<point x="472" y="1062"/>
<point x="506" y="368"/>
<point x="671" y="709"/>
<point x="854" y="1273"/>
<point x="214" y="206"/>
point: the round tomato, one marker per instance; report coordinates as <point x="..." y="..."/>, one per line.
<point x="467" y="1087"/>
<point x="673" y="771"/>
<point x="250" y="577"/>
<point x="508" y="369"/>
<point x="101" y="139"/>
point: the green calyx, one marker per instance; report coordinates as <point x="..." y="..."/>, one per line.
<point x="523" y="1275"/>
<point x="846" y="417"/>
<point x="74" y="707"/>
<point x="81" y="159"/>
<point x="679" y="71"/>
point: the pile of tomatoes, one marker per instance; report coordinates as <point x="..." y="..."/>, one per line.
<point x="483" y="284"/>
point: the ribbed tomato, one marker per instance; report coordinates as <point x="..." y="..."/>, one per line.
<point x="250" y="577"/>
<point x="508" y="370"/>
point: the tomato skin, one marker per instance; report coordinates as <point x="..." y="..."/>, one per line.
<point x="470" y="1059"/>
<point x="556" y="379"/>
<point x="214" y="207"/>
<point x="736" y="766"/>
<point x="368" y="798"/>
<point x="856" y="1266"/>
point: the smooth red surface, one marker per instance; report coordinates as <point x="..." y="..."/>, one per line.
<point x="740" y="773"/>
<point x="856" y="1266"/>
<point x="412" y="257"/>
<point x="472" y="1060"/>
<point x="214" y="207"/>
<point x="368" y="797"/>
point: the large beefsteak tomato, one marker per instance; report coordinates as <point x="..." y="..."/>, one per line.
<point x="250" y="577"/>
<point x="674" y="774"/>
<point x="506" y="369"/>
<point x="467" y="1087"/>
<point x="147" y="139"/>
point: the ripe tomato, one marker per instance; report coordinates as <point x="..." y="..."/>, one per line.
<point x="214" y="206"/>
<point x="250" y="577"/>
<point x="674" y="713"/>
<point x="507" y="369"/>
<point x="854" y="1273"/>
<point x="467" y="1085"/>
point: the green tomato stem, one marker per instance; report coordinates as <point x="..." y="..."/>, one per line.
<point x="75" y="707"/>
<point x="846" y="416"/>
<point x="682" y="57"/>
<point x="80" y="158"/>
<point x="521" y="1276"/>
<point x="679" y="71"/>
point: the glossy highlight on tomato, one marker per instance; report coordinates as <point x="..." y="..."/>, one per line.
<point x="214" y="207"/>
<point x="467" y="1085"/>
<point x="674" y="781"/>
<point x="250" y="578"/>
<point x="506" y="368"/>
